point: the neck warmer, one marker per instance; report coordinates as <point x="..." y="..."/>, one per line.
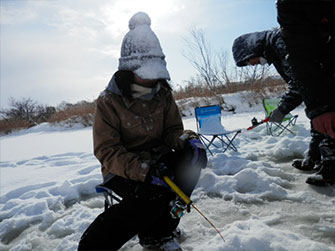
<point x="142" y="92"/>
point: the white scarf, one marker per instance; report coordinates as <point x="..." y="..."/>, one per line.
<point x="142" y="92"/>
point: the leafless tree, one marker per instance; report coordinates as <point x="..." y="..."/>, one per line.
<point x="23" y="109"/>
<point x="27" y="109"/>
<point x="215" y="69"/>
<point x="207" y="63"/>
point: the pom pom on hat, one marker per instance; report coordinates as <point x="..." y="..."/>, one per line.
<point x="140" y="18"/>
<point x="141" y="52"/>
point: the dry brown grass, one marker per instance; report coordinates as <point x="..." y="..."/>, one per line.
<point x="78" y="113"/>
<point x="7" y="126"/>
<point x="84" y="111"/>
<point x="263" y="89"/>
<point x="258" y="89"/>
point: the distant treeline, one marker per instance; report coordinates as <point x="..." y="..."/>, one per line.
<point x="26" y="112"/>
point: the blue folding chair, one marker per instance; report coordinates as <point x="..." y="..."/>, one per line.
<point x="209" y="128"/>
<point x="108" y="193"/>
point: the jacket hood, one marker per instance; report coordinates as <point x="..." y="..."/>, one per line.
<point x="249" y="46"/>
<point x="112" y="86"/>
<point x="120" y="83"/>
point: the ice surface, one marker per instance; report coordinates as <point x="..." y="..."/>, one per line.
<point x="254" y="196"/>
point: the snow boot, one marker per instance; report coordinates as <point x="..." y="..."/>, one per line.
<point x="177" y="233"/>
<point x="306" y="164"/>
<point x="169" y="243"/>
<point x="325" y="176"/>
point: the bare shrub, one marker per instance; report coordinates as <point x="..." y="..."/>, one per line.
<point x="26" y="109"/>
<point x="23" y="109"/>
<point x="192" y="88"/>
<point x="23" y="113"/>
<point x="261" y="89"/>
<point x="26" y="113"/>
<point x="43" y="113"/>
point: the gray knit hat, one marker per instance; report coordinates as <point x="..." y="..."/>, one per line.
<point x="141" y="51"/>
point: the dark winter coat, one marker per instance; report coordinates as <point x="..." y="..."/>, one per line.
<point x="308" y="30"/>
<point x="269" y="45"/>
<point x="126" y="128"/>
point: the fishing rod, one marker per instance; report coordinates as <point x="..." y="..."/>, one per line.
<point x="256" y="123"/>
<point x="188" y="201"/>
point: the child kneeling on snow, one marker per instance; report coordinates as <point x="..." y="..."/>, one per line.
<point x="137" y="138"/>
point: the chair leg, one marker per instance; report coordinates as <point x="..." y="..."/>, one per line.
<point x="225" y="145"/>
<point x="283" y="128"/>
<point x="270" y="129"/>
<point x="230" y="142"/>
<point x="203" y="138"/>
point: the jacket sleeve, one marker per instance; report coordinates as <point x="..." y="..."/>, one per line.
<point x="279" y="49"/>
<point x="290" y="100"/>
<point x="173" y="126"/>
<point x="276" y="49"/>
<point x="108" y="147"/>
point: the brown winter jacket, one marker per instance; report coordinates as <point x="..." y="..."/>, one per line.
<point x="126" y="129"/>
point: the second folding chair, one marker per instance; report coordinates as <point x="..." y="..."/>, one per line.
<point x="273" y="128"/>
<point x="209" y="128"/>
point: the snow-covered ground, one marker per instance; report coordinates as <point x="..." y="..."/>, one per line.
<point x="254" y="196"/>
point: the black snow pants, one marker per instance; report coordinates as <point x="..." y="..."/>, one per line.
<point x="314" y="148"/>
<point x="144" y="209"/>
<point x="327" y="149"/>
<point x="137" y="213"/>
<point x="321" y="147"/>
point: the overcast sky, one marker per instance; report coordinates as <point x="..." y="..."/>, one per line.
<point x="67" y="50"/>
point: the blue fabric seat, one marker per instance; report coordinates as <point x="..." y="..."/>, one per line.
<point x="209" y="128"/>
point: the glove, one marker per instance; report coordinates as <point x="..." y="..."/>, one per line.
<point x="199" y="157"/>
<point x="156" y="173"/>
<point x="325" y="123"/>
<point x="276" y="116"/>
<point x="189" y="134"/>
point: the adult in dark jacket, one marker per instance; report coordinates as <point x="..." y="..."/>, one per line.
<point x="308" y="31"/>
<point x="268" y="47"/>
<point x="137" y="139"/>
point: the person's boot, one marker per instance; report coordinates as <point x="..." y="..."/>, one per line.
<point x="325" y="176"/>
<point x="165" y="243"/>
<point x="306" y="164"/>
